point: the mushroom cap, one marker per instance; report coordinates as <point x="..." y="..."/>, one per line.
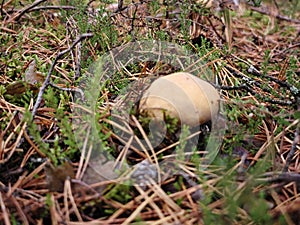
<point x="183" y="96"/>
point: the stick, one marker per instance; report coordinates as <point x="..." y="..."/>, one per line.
<point x="53" y="7"/>
<point x="278" y="16"/>
<point x="26" y="9"/>
<point x="47" y="80"/>
<point x="292" y="151"/>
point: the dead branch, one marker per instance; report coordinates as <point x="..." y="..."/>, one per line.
<point x="52" y="7"/>
<point x="285" y="177"/>
<point x="78" y="90"/>
<point x="278" y="16"/>
<point x="248" y="84"/>
<point x="47" y="79"/>
<point x="26" y="9"/>
<point x="293" y="150"/>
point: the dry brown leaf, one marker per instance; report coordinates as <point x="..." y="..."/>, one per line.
<point x="31" y="76"/>
<point x="56" y="176"/>
<point x="32" y="81"/>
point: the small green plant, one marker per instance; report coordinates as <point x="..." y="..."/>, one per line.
<point x="120" y="193"/>
<point x="183" y="139"/>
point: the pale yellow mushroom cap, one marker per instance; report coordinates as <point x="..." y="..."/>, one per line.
<point x="181" y="95"/>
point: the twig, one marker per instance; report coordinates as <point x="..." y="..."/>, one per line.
<point x="294" y="91"/>
<point x="252" y="70"/>
<point x="292" y="151"/>
<point x="278" y="16"/>
<point x="53" y="7"/>
<point x="47" y="80"/>
<point x="281" y="177"/>
<point x="1" y="8"/>
<point x="249" y="82"/>
<point x="214" y="28"/>
<point x="120" y="5"/>
<point x="72" y="29"/>
<point x="46" y="7"/>
<point x="78" y="63"/>
<point x="131" y="31"/>
<point x="78" y="90"/>
<point x="286" y="49"/>
<point x="4" y="211"/>
<point x="230" y="88"/>
<point x="28" y="8"/>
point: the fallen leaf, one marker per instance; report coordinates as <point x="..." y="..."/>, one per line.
<point x="31" y="81"/>
<point x="56" y="176"/>
<point x="31" y="76"/>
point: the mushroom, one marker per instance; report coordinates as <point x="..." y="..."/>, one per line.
<point x="183" y="96"/>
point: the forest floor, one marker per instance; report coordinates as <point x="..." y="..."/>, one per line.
<point x="51" y="169"/>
